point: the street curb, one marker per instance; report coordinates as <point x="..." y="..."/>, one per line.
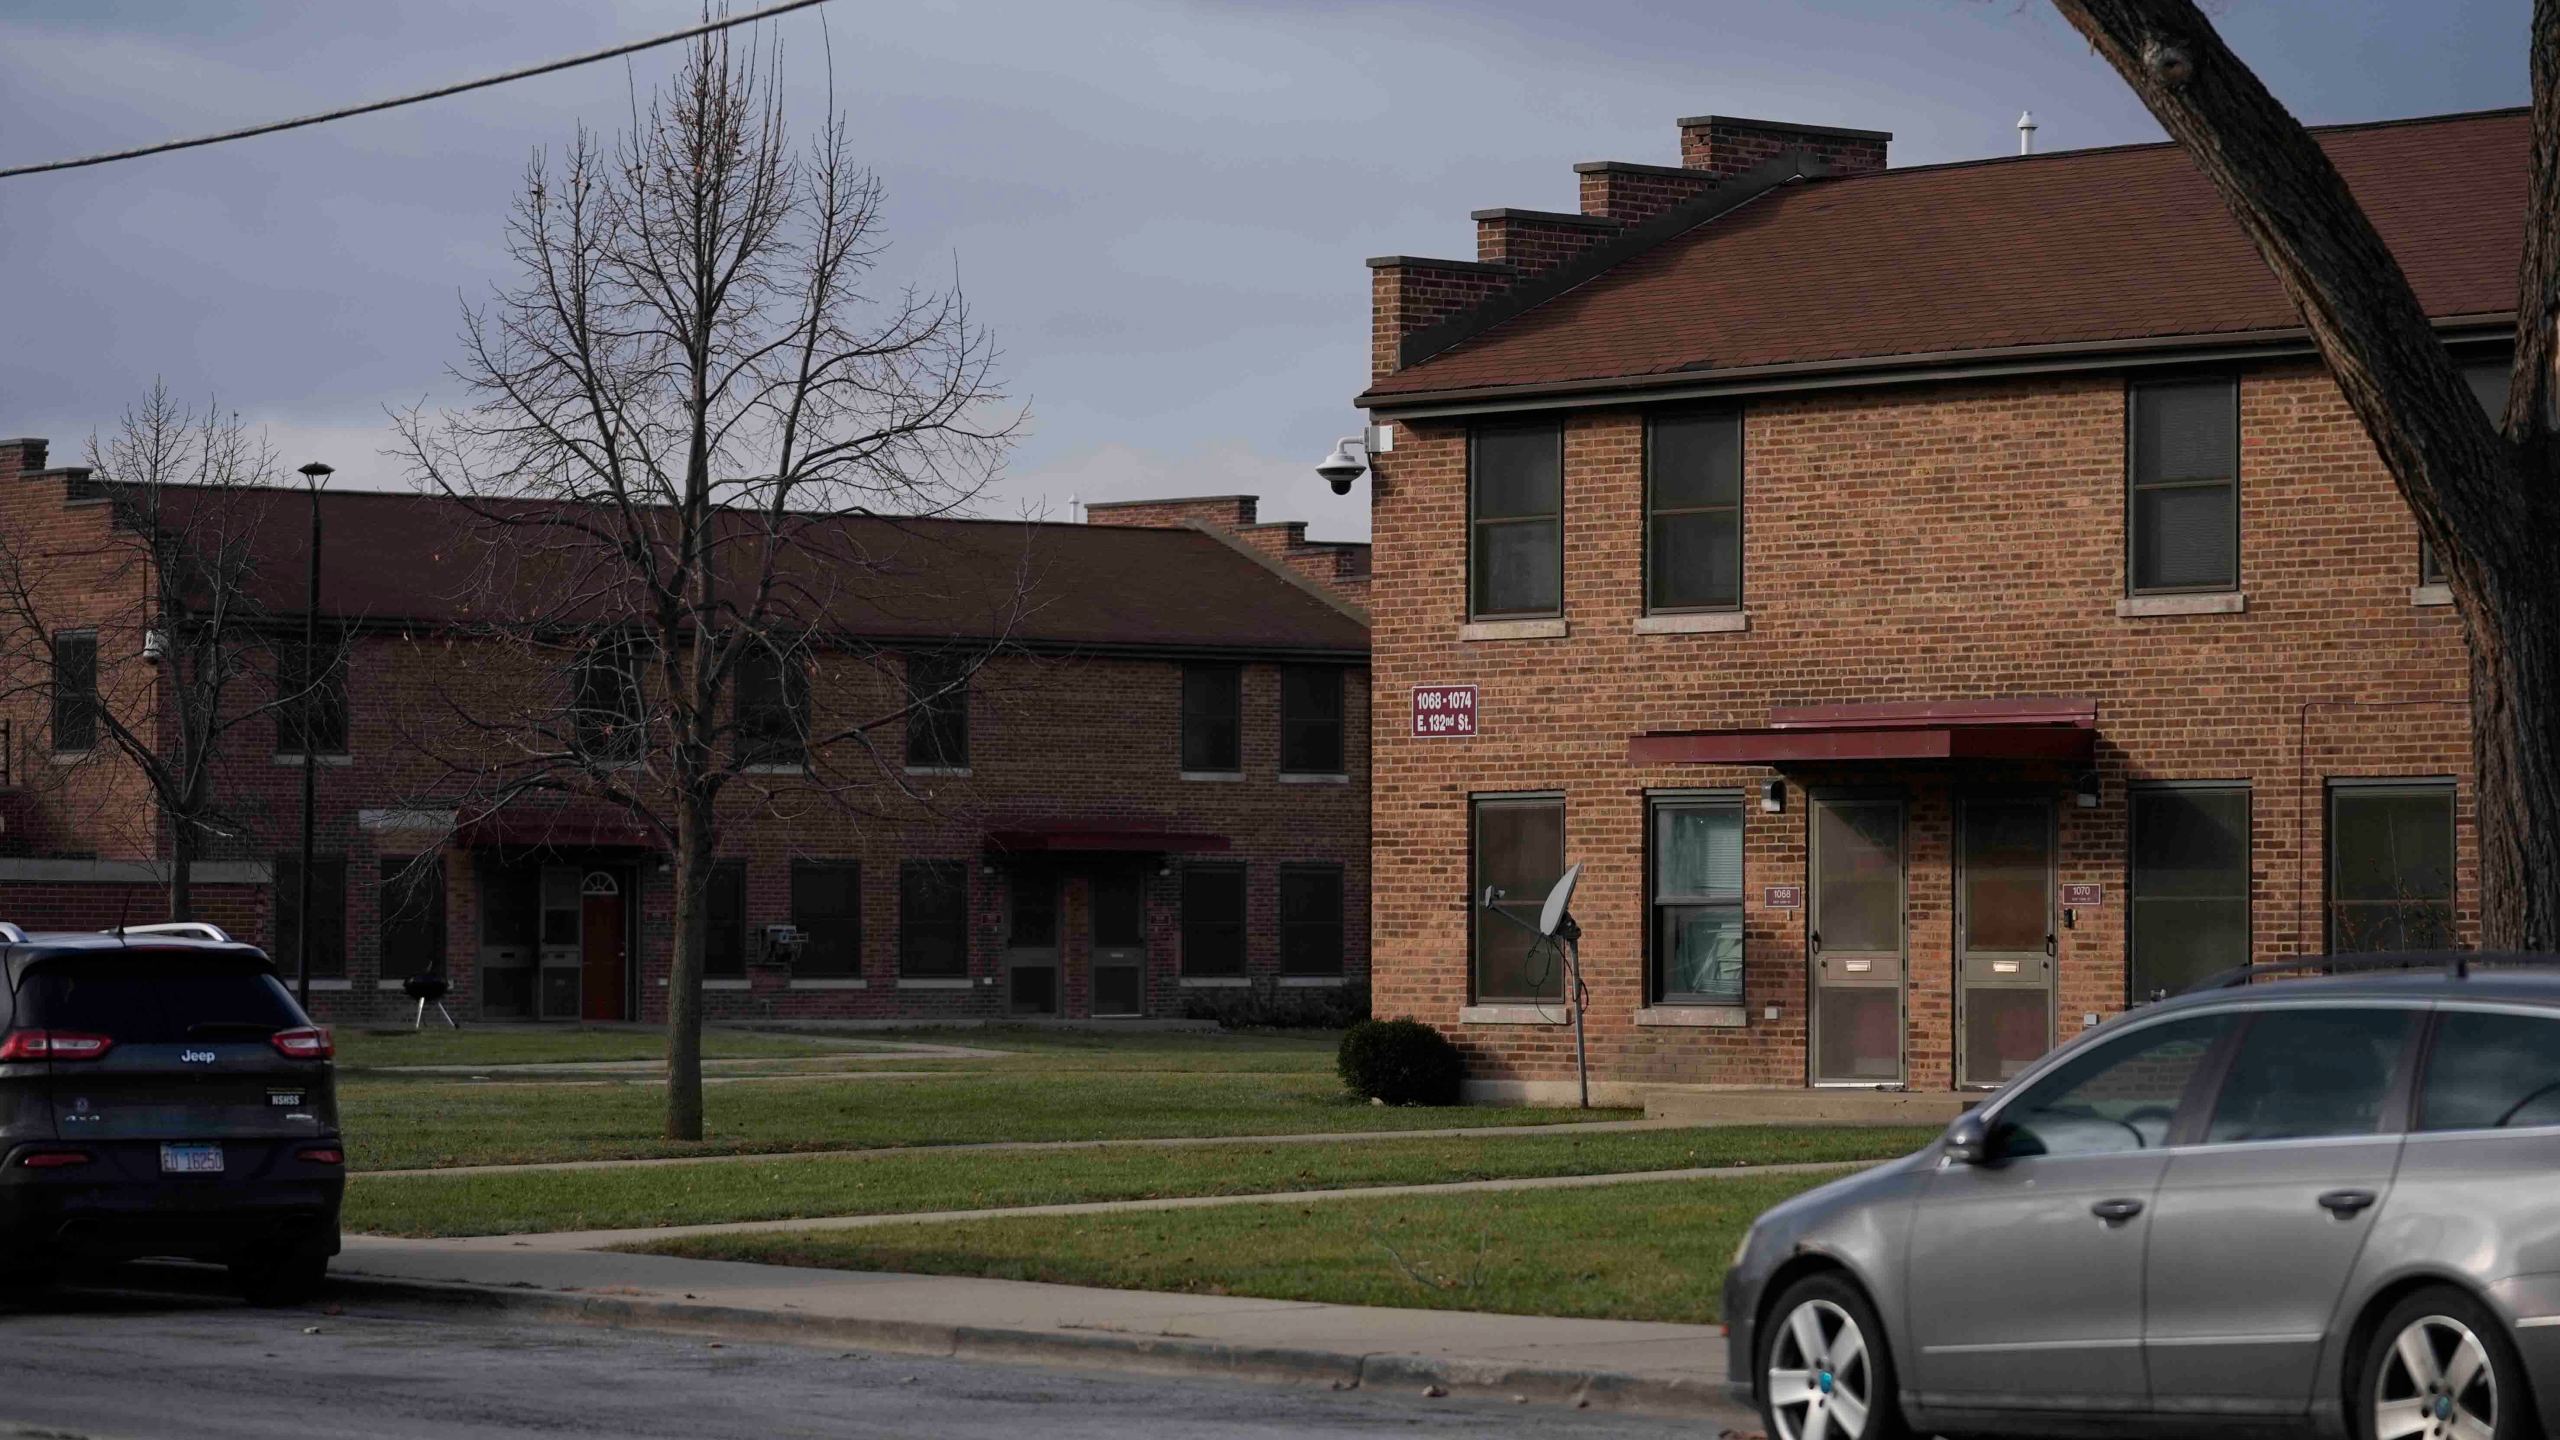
<point x="1098" y="1349"/>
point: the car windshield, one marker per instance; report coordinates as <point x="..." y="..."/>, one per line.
<point x="163" y="998"/>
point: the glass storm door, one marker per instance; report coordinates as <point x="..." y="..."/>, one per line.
<point x="1119" y="942"/>
<point x="2004" y="937"/>
<point x="1031" y="944"/>
<point x="1857" y="942"/>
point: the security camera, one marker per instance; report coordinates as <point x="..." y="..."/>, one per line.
<point x="1343" y="466"/>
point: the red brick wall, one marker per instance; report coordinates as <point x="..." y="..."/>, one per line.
<point x="1722" y="147"/>
<point x="1947" y="542"/>
<point x="54" y="905"/>
<point x="1220" y="512"/>
<point x="1406" y="295"/>
<point x="1636" y="193"/>
<point x="1533" y="243"/>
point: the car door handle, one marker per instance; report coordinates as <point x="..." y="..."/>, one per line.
<point x="2116" y="1212"/>
<point x="2345" y="1204"/>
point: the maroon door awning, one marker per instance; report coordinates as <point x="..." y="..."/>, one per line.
<point x="577" y="826"/>
<point x="1053" y="837"/>
<point x="2061" y="730"/>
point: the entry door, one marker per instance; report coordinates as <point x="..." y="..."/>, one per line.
<point x="1119" y="943"/>
<point x="1857" y="940"/>
<point x="602" y="957"/>
<point x="1031" y="946"/>
<point x="2004" y="937"/>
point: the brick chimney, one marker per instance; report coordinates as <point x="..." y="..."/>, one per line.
<point x="1230" y="513"/>
<point x="1338" y="566"/>
<point x="1407" y="293"/>
<point x="23" y="456"/>
<point x="1726" y="145"/>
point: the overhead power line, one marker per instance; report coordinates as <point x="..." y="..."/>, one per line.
<point x="439" y="93"/>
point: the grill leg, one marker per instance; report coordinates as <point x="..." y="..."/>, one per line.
<point x="421" y="1020"/>
<point x="447" y="1014"/>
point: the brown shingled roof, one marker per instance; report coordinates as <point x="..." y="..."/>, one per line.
<point x="400" y="557"/>
<point x="2057" y="249"/>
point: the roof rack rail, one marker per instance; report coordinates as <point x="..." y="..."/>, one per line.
<point x="2456" y="965"/>
<point x="11" y="934"/>
<point x="200" y="929"/>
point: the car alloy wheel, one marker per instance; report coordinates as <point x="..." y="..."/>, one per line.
<point x="2437" y="1382"/>
<point x="1820" y="1382"/>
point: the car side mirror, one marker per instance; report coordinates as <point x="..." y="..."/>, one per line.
<point x="1968" y="1140"/>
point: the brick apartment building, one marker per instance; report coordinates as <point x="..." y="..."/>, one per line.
<point x="1937" y="606"/>
<point x="1153" y="793"/>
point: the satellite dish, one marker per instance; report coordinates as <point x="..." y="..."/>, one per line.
<point x="1551" y="915"/>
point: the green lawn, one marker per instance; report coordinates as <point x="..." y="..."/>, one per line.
<point x="360" y="1050"/>
<point x="1653" y="1250"/>
<point x="409" y="1124"/>
<point x="911" y="1181"/>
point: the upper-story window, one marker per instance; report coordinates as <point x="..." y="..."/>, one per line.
<point x="2182" y="511"/>
<point x="773" y="707"/>
<point x="2488" y="380"/>
<point x="311" y="699"/>
<point x="1515" y="520"/>
<point x="608" y="720"/>
<point x="1212" y="719"/>
<point x="1693" y="512"/>
<point x="938" y="722"/>
<point x="1311" y="720"/>
<point x="75" y="692"/>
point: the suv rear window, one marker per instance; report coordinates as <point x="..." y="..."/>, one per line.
<point x="141" y="998"/>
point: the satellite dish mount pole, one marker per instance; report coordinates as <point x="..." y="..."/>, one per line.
<point x="1556" y="922"/>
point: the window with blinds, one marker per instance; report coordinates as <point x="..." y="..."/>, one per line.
<point x="2190" y="880"/>
<point x="1693" y="513"/>
<point x="1515" y="513"/>
<point x="1697" y="900"/>
<point x="2183" y="503"/>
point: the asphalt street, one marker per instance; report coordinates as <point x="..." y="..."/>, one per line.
<point x="108" y="1364"/>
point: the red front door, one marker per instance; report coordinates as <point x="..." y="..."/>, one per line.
<point x="600" y="951"/>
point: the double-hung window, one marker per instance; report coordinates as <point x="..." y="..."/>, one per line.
<point x="1515" y="520"/>
<point x="311" y="698"/>
<point x="75" y="692"/>
<point x="1519" y="851"/>
<point x="1213" y="920"/>
<point x="933" y="919"/>
<point x="2190" y="881"/>
<point x="2390" y="865"/>
<point x="2488" y="380"/>
<point x="1311" y="720"/>
<point x="1212" y="719"/>
<point x="1693" y="512"/>
<point x="1311" y="919"/>
<point x="607" y="716"/>
<point x="826" y="907"/>
<point x="411" y="898"/>
<point x="1697" y="900"/>
<point x="938" y="717"/>
<point x="772" y="707"/>
<point x="2183" y="496"/>
<point x="328" y="914"/>
<point x="724" y="929"/>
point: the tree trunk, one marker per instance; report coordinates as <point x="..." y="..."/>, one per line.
<point x="692" y="868"/>
<point x="2489" y="502"/>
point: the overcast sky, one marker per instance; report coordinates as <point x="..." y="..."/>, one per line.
<point x="1159" y="206"/>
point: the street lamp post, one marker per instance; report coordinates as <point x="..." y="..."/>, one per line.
<point x="317" y="476"/>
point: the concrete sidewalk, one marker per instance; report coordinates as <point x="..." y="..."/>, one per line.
<point x="1653" y="1368"/>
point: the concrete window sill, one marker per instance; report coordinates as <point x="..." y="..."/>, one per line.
<point x="2431" y="595"/>
<point x="1313" y="982"/>
<point x="935" y="983"/>
<point x="773" y="769"/>
<point x="1706" y="622"/>
<point x="294" y="762"/>
<point x="394" y="985"/>
<point x="962" y="771"/>
<point x="2144" y="607"/>
<point x="72" y="757"/>
<point x="1515" y="1015"/>
<point x="1514" y="630"/>
<point x="1702" y="1017"/>
<point x="334" y="984"/>
<point x="1220" y="777"/>
<point x="1214" y="982"/>
<point x="727" y="983"/>
<point x="1289" y="779"/>
<point x="830" y="982"/>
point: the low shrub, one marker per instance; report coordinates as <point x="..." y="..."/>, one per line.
<point x="1264" y="1005"/>
<point x="1401" y="1062"/>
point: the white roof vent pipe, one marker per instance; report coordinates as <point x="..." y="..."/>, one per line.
<point x="2026" y="132"/>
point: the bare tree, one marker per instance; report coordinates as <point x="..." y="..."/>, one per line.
<point x="689" y="411"/>
<point x="179" y="653"/>
<point x="2486" y="493"/>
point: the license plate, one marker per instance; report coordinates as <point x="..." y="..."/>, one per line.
<point x="191" y="1159"/>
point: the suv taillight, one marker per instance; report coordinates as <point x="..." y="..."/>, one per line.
<point x="53" y="1159"/>
<point x="54" y="1045"/>
<point x="309" y="1042"/>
